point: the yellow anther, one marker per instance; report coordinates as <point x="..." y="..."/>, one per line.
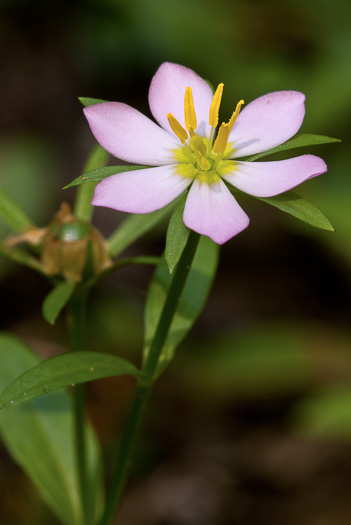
<point x="235" y="115"/>
<point x="222" y="138"/>
<point x="177" y="128"/>
<point x="216" y="102"/>
<point x="198" y="145"/>
<point x="189" y="110"/>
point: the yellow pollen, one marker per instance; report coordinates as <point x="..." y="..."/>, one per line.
<point x="189" y="111"/>
<point x="235" y="115"/>
<point x="216" y="102"/>
<point x="222" y="138"/>
<point x="177" y="128"/>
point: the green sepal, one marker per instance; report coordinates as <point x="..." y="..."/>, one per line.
<point x="299" y="141"/>
<point x="101" y="173"/>
<point x="177" y="235"/>
<point x="191" y="302"/>
<point x="39" y="437"/>
<point x="57" y="299"/>
<point x="13" y="215"/>
<point x="62" y="371"/>
<point x="87" y="101"/>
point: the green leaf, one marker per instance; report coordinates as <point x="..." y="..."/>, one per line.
<point x="13" y="215"/>
<point x="192" y="300"/>
<point x="177" y="236"/>
<point x="134" y="227"/>
<point x="56" y="300"/>
<point x="87" y="101"/>
<point x="62" y="371"/>
<point x="39" y="436"/>
<point x="101" y="173"/>
<point x="300" y="208"/>
<point x="299" y="141"/>
<point x="83" y="209"/>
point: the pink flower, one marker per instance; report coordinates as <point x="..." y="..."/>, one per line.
<point x="188" y="153"/>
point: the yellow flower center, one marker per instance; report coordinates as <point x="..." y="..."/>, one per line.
<point x="199" y="156"/>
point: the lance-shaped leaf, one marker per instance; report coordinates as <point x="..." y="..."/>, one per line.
<point x="57" y="299"/>
<point x="101" y="173"/>
<point x="300" y="208"/>
<point x="193" y="298"/>
<point x="40" y="437"/>
<point x="299" y="141"/>
<point x="291" y="203"/>
<point x="177" y="235"/>
<point x="62" y="371"/>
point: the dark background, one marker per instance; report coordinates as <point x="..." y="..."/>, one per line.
<point x="252" y="422"/>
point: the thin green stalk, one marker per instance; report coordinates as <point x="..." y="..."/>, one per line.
<point x="77" y="310"/>
<point x="145" y="384"/>
<point x="82" y="205"/>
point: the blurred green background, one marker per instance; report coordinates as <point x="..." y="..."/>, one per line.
<point x="252" y="422"/>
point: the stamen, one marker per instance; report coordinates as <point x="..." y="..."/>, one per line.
<point x="222" y="138"/>
<point x="189" y="110"/>
<point x="214" y="110"/>
<point x="177" y="128"/>
<point x="235" y="115"/>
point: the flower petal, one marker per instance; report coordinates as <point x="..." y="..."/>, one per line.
<point x="266" y="179"/>
<point x="267" y="122"/>
<point x="129" y="135"/>
<point x="140" y="191"/>
<point x="212" y="210"/>
<point x="167" y="91"/>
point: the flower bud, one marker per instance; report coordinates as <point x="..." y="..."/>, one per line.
<point x="73" y="248"/>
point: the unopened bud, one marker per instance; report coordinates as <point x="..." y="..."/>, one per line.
<point x="73" y="248"/>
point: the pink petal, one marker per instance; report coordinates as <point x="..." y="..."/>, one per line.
<point x="212" y="210"/>
<point x="166" y="95"/>
<point x="140" y="191"/>
<point x="265" y="179"/>
<point x="267" y="122"/>
<point x="129" y="135"/>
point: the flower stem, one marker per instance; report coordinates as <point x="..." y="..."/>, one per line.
<point x="145" y="384"/>
<point x="77" y="311"/>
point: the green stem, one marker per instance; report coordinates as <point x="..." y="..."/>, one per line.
<point x="77" y="310"/>
<point x="145" y="384"/>
<point x="82" y="205"/>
